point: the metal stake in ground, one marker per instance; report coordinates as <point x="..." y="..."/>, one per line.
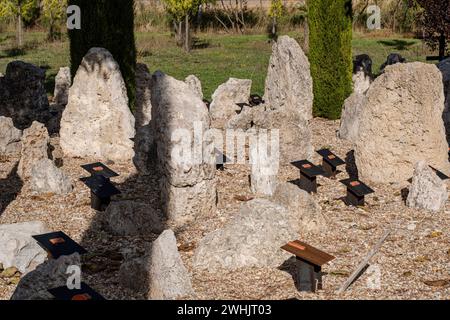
<point x="364" y="263"/>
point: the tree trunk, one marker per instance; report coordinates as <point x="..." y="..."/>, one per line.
<point x="187" y="46"/>
<point x="442" y="46"/>
<point x="19" y="35"/>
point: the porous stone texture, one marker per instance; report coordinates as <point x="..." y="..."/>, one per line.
<point x="351" y="111"/>
<point x="10" y="138"/>
<point x="251" y="239"/>
<point x="294" y="132"/>
<point x="49" y="275"/>
<point x="168" y="277"/>
<point x="63" y="81"/>
<point x="265" y="159"/>
<point x="186" y="158"/>
<point x="427" y="190"/>
<point x="143" y="140"/>
<point x="305" y="212"/>
<point x="288" y="102"/>
<point x="401" y="123"/>
<point x="35" y="142"/>
<point x="97" y="121"/>
<point x="289" y="83"/>
<point x="195" y="84"/>
<point x="18" y="248"/>
<point x="160" y="274"/>
<point x="47" y="178"/>
<point x="22" y="94"/>
<point x="129" y="218"/>
<point x="227" y="95"/>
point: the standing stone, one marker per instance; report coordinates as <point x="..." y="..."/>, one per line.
<point x="10" y="138"/>
<point x="265" y="159"/>
<point x="35" y="142"/>
<point x="143" y="140"/>
<point x="97" y="121"/>
<point x="289" y="100"/>
<point x="401" y="123"/>
<point x="353" y="105"/>
<point x="168" y="277"/>
<point x="128" y="218"/>
<point x="227" y="95"/>
<point x="427" y="191"/>
<point x="289" y="84"/>
<point x="47" y="178"/>
<point x="251" y="239"/>
<point x="18" y="248"/>
<point x="363" y="63"/>
<point x="444" y="67"/>
<point x="22" y="94"/>
<point x="186" y="159"/>
<point x="49" y="275"/>
<point x="195" y="84"/>
<point x="63" y="81"/>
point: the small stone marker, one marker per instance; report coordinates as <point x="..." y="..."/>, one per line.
<point x="58" y="244"/>
<point x="330" y="162"/>
<point x="101" y="191"/>
<point x="356" y="191"/>
<point x="308" y="175"/>
<point x="99" y="169"/>
<point x="84" y="294"/>
<point x="309" y="262"/>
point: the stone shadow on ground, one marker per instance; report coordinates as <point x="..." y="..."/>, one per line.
<point x="9" y="188"/>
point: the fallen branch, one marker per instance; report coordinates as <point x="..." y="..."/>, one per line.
<point x="364" y="263"/>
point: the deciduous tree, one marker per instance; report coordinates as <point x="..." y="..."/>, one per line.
<point x="21" y="10"/>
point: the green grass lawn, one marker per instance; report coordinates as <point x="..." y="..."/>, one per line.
<point x="215" y="58"/>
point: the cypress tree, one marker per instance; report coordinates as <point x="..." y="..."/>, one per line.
<point x="330" y="24"/>
<point x="107" y="24"/>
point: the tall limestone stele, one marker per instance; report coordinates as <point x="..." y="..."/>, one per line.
<point x="97" y="121"/>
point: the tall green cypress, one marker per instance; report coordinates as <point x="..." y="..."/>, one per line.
<point x="330" y="24"/>
<point x="107" y="24"/>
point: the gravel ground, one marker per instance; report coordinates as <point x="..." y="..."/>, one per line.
<point x="413" y="262"/>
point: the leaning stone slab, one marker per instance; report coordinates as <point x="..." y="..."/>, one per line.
<point x="47" y="178"/>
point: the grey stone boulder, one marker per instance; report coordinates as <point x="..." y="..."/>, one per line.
<point x="49" y="275"/>
<point x="18" y="248"/>
<point x="97" y="121"/>
<point x="47" y="178"/>
<point x="22" y="94"/>
<point x="161" y="273"/>
<point x="143" y="141"/>
<point x="427" y="190"/>
<point x="227" y="95"/>
<point x="289" y="84"/>
<point x="251" y="239"/>
<point x="305" y="212"/>
<point x="35" y="142"/>
<point x="128" y="218"/>
<point x="63" y="81"/>
<point x="10" y="138"/>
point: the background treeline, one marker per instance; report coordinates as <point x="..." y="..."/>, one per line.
<point x="229" y="16"/>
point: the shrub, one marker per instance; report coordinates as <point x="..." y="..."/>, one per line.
<point x="330" y="24"/>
